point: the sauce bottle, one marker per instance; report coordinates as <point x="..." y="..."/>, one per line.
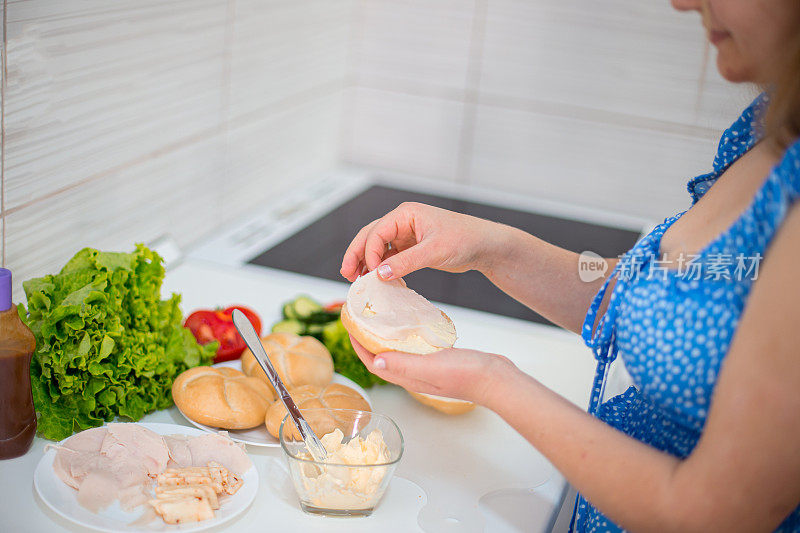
<point x="17" y="416"/>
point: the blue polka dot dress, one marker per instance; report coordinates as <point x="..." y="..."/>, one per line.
<point x="672" y="323"/>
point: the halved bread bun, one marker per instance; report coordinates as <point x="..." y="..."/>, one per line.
<point x="221" y="397"/>
<point x="375" y="344"/>
<point x="365" y="302"/>
<point x="448" y="406"/>
<point x="333" y="396"/>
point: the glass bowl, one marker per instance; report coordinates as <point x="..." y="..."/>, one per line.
<point x="352" y="481"/>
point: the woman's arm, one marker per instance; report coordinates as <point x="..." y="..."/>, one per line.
<point x="744" y="474"/>
<point x="542" y="276"/>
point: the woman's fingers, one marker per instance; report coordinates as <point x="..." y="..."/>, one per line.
<point x="365" y="355"/>
<point x="353" y="260"/>
<point x="454" y="372"/>
<point x="400" y="368"/>
<point x="384" y="232"/>
<point x="405" y="262"/>
<point x="406" y="366"/>
<point x="376" y="365"/>
<point x="418" y="373"/>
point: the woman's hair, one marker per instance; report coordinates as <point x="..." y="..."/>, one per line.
<point x="782" y="120"/>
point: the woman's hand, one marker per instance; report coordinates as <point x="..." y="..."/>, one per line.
<point x="455" y="373"/>
<point x="415" y="236"/>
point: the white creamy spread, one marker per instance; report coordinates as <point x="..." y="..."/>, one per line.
<point x="347" y="487"/>
<point x="390" y="310"/>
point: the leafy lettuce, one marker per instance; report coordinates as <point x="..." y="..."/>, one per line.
<point x="107" y="345"/>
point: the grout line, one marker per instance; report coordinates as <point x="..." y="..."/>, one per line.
<point x="351" y="64"/>
<point x="227" y="55"/>
<point x="472" y="80"/>
<point x="600" y="116"/>
<point x="290" y="102"/>
<point x="294" y="100"/>
<point x="701" y="80"/>
<point x="225" y="111"/>
<point x="177" y="145"/>
<point x="3" y="83"/>
<point x="351" y="81"/>
<point x="557" y="109"/>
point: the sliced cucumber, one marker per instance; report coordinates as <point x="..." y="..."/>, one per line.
<point x="289" y="326"/>
<point x="288" y="311"/>
<point x="303" y="307"/>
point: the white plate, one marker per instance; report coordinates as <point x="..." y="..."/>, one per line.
<point x="64" y="499"/>
<point x="259" y="436"/>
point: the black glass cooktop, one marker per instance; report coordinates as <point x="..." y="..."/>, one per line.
<point x="317" y="249"/>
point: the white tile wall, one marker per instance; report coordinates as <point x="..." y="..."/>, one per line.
<point x="277" y="151"/>
<point x="285" y="48"/>
<point x="416" y="45"/>
<point x="174" y="193"/>
<point x="94" y="84"/>
<point x="125" y="120"/>
<point x="405" y="132"/>
<point x="612" y="97"/>
<point x="128" y="120"/>
<point x="637" y="58"/>
<point x="619" y="168"/>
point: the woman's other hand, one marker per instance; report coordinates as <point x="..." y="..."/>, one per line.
<point x="415" y="236"/>
<point x="455" y="373"/>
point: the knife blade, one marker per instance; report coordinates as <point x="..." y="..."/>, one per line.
<point x="248" y="333"/>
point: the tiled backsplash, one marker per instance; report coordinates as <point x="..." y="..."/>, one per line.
<point x="596" y="103"/>
<point x="124" y="121"/>
<point x="128" y="120"/>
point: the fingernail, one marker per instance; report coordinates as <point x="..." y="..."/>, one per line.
<point x="380" y="363"/>
<point x="385" y="271"/>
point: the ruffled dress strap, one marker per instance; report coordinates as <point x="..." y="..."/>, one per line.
<point x="735" y="141"/>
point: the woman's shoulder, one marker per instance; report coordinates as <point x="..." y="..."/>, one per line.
<point x="773" y="205"/>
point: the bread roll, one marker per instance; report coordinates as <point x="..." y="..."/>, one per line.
<point x="222" y="397"/>
<point x="333" y="396"/>
<point x="448" y="406"/>
<point x="297" y="360"/>
<point x="387" y="316"/>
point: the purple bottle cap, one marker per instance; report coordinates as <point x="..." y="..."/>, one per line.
<point x="5" y="289"/>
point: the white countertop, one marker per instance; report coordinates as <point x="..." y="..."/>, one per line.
<point x="467" y="473"/>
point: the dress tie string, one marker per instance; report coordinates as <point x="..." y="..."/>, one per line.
<point x="601" y="339"/>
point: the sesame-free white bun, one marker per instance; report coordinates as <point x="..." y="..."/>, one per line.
<point x="222" y="397"/>
<point x="376" y="344"/>
<point x="448" y="406"/>
<point x="333" y="396"/>
<point x="374" y="297"/>
<point x="298" y="360"/>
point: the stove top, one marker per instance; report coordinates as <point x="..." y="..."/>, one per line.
<point x="317" y="249"/>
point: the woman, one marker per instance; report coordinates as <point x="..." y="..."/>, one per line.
<point x="709" y="437"/>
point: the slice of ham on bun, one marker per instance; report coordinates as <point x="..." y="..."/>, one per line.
<point x="386" y="316"/>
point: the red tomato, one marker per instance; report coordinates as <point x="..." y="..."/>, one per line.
<point x="334" y="307"/>
<point x="217" y="325"/>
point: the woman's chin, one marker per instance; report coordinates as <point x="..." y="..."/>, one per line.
<point x="734" y="71"/>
